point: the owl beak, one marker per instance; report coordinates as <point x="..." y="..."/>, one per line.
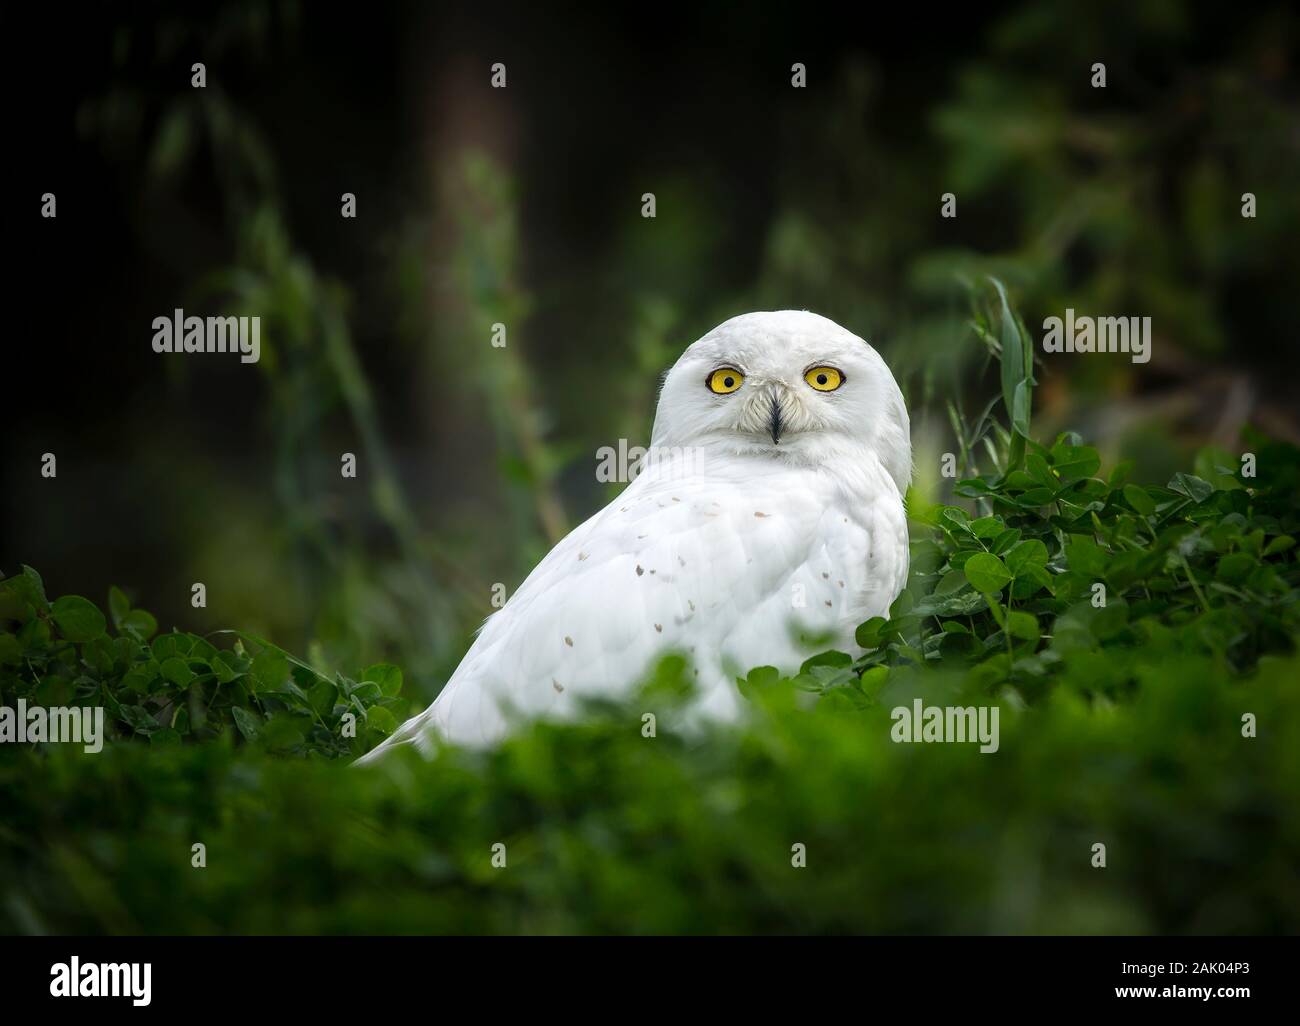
<point x="774" y="424"/>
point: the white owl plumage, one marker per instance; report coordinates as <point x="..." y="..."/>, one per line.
<point x="767" y="518"/>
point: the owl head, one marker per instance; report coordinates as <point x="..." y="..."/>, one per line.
<point x="786" y="385"/>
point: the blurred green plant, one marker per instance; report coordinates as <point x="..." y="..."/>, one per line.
<point x="488" y="299"/>
<point x="609" y="831"/>
<point x="174" y="687"/>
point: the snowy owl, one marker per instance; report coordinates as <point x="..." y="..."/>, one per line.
<point x="765" y="524"/>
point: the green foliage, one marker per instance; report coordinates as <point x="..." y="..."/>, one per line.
<point x="610" y="831"/>
<point x="1064" y="568"/>
<point x="1065" y="563"/>
<point x="178" y="687"/>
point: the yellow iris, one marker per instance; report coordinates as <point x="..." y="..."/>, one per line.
<point x="824" y="379"/>
<point x="725" y="380"/>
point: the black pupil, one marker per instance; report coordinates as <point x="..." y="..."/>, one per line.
<point x="726" y="382"/>
<point x="821" y="379"/>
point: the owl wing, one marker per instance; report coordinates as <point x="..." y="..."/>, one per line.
<point x="732" y="570"/>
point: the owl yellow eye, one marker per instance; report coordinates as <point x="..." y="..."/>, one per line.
<point x="824" y="379"/>
<point x="725" y="380"/>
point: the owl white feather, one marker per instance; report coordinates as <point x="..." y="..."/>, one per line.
<point x="766" y="523"/>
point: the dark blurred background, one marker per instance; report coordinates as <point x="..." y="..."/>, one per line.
<point x="523" y="206"/>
